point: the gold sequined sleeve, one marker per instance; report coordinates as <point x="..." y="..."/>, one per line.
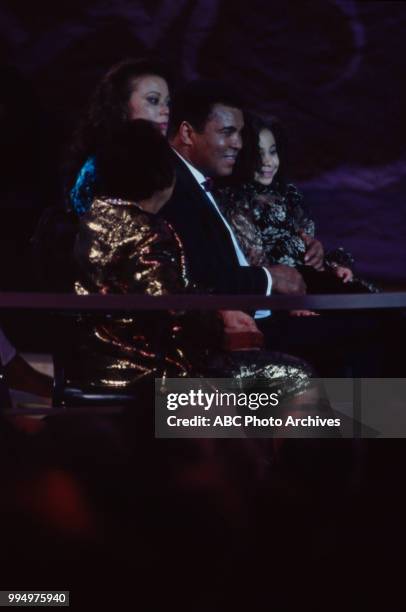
<point x="122" y="249"/>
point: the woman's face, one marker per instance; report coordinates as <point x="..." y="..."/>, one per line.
<point x="150" y="100"/>
<point x="269" y="158"/>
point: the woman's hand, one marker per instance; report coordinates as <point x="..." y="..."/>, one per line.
<point x="314" y="256"/>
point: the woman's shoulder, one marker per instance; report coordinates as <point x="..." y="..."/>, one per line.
<point x="126" y="217"/>
<point x="119" y="210"/>
<point x="115" y="230"/>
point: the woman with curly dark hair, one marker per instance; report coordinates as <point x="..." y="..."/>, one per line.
<point x="132" y="89"/>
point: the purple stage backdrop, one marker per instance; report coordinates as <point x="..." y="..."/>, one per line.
<point x="333" y="70"/>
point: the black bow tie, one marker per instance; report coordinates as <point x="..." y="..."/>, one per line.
<point x="208" y="184"/>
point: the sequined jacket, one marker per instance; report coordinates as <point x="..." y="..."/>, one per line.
<point x="123" y="249"/>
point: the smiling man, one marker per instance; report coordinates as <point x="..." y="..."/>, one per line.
<point x="206" y="127"/>
<point x="214" y="149"/>
<point x="207" y="123"/>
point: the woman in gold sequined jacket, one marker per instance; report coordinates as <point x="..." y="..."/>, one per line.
<point x="123" y="247"/>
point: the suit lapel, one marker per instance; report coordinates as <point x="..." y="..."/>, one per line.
<point x="189" y="183"/>
<point x="203" y="208"/>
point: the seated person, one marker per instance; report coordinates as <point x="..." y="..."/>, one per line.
<point x="272" y="227"/>
<point x="268" y="217"/>
<point x="122" y="247"/>
<point x="131" y="89"/>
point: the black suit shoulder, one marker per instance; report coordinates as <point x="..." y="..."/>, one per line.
<point x="211" y="259"/>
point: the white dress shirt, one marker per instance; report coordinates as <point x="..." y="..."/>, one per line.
<point x="242" y="260"/>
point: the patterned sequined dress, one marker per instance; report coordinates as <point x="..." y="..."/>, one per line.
<point x="122" y="249"/>
<point x="267" y="225"/>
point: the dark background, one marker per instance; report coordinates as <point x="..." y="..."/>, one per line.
<point x="333" y="70"/>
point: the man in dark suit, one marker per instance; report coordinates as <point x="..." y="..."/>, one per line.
<point x="206" y="136"/>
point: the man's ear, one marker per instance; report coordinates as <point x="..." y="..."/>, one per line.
<point x="186" y="133"/>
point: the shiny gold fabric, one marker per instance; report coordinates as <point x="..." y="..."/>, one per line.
<point x="281" y="374"/>
<point x="122" y="249"/>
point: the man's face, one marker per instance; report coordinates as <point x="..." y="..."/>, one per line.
<point x="215" y="150"/>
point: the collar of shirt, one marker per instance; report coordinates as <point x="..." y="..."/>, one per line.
<point x="200" y="178"/>
<point x="242" y="260"/>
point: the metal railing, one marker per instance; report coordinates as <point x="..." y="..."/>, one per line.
<point x="72" y="303"/>
<point x="124" y="303"/>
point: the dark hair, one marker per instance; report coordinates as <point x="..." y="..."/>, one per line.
<point x="108" y="110"/>
<point x="135" y="162"/>
<point x="195" y="101"/>
<point x="249" y="159"/>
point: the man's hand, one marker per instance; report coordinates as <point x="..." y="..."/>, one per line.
<point x="240" y="331"/>
<point x="287" y="280"/>
<point x="314" y="252"/>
